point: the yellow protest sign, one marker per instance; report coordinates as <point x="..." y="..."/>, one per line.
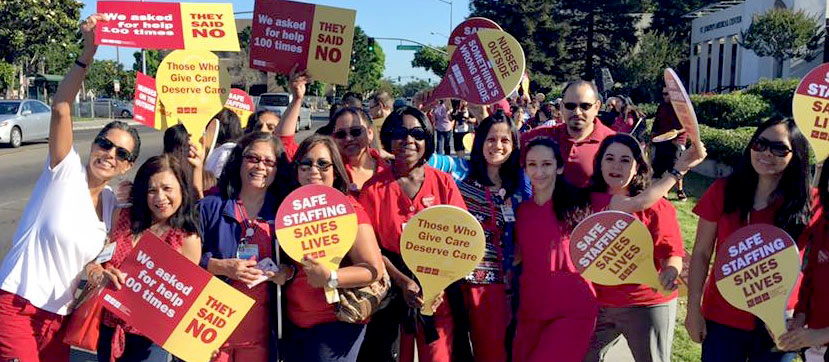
<point x="613" y="248"/>
<point x="209" y="26"/>
<point x="440" y="245"/>
<point x="193" y="88"/>
<point x="755" y="270"/>
<point x="317" y="222"/>
<point x="810" y="108"/>
<point x="468" y="140"/>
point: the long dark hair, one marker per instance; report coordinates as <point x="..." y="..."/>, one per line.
<point x="341" y="179"/>
<point x="823" y="187"/>
<point x="563" y="192"/>
<point x="186" y="218"/>
<point x="642" y="176"/>
<point x="230" y="182"/>
<point x="510" y="170"/>
<point x="230" y="128"/>
<point x="793" y="187"/>
<point x="177" y="142"/>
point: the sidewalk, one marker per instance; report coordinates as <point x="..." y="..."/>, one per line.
<point x="99" y="123"/>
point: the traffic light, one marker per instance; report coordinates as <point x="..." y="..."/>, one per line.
<point x="371" y="44"/>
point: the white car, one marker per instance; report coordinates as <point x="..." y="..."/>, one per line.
<point x="23" y="120"/>
<point x="278" y="102"/>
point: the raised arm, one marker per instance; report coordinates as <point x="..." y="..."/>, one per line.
<point x="60" y="128"/>
<point x="287" y="125"/>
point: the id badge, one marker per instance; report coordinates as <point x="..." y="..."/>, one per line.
<point x="248" y="251"/>
<point x="106" y="254"/>
<point x="509" y="215"/>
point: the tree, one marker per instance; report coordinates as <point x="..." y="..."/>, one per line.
<point x="432" y="60"/>
<point x="7" y="82"/>
<point x="367" y="66"/>
<point x="643" y="66"/>
<point x="668" y="17"/>
<point x="783" y="34"/>
<point x="409" y="89"/>
<point x="153" y="60"/>
<point x="101" y="75"/>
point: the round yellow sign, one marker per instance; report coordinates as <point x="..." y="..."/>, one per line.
<point x="468" y="140"/>
<point x="810" y="108"/>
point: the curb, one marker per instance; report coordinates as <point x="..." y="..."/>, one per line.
<point x="82" y="126"/>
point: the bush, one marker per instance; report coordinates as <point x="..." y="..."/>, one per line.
<point x="725" y="145"/>
<point x="649" y="109"/>
<point x="777" y="92"/>
<point x="731" y="110"/>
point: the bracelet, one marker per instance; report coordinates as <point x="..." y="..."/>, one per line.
<point x="676" y="174"/>
<point x="80" y="64"/>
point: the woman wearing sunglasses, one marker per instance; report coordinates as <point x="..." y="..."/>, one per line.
<point x="769" y="186"/>
<point x="391" y="198"/>
<point x="63" y="226"/>
<point x="319" y="336"/>
<point x="239" y="233"/>
<point x="354" y="134"/>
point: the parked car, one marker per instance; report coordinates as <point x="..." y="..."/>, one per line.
<point x="114" y="108"/>
<point x="23" y="120"/>
<point x="278" y="102"/>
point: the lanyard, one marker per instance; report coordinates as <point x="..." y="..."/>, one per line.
<point x="491" y="225"/>
<point x="249" y="230"/>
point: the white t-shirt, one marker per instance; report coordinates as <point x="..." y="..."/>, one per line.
<point x="217" y="158"/>
<point x="58" y="234"/>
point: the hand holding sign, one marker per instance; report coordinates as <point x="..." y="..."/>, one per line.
<point x="682" y="105"/>
<point x="441" y="244"/>
<point x="318" y="222"/>
<point x="810" y="108"/>
<point x="755" y="270"/>
<point x="486" y="67"/>
<point x="613" y="248"/>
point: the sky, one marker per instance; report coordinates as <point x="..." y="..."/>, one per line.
<point x="425" y="21"/>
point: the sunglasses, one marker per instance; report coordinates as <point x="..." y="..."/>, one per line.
<point x="572" y="106"/>
<point x="776" y="148"/>
<point x="321" y="165"/>
<point x="254" y="159"/>
<point x="418" y="133"/>
<point x="353" y="131"/>
<point x="120" y="152"/>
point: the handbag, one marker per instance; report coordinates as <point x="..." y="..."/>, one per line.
<point x="84" y="325"/>
<point x="356" y="305"/>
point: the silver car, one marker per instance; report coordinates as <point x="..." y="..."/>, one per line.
<point x="112" y="108"/>
<point x="23" y="120"/>
<point x="278" y="102"/>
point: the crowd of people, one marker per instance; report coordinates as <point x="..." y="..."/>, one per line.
<point x="534" y="171"/>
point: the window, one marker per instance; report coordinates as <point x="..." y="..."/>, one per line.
<point x="720" y="65"/>
<point x="734" y="48"/>
<point x="708" y="69"/>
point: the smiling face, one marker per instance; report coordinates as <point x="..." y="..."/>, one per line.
<point x="541" y="167"/>
<point x="104" y="164"/>
<point x="347" y="125"/>
<point x="258" y="166"/>
<point x="408" y="150"/>
<point x="765" y="163"/>
<point x="498" y="144"/>
<point x="163" y="195"/>
<point x="579" y="119"/>
<point x="316" y="167"/>
<point x="618" y="168"/>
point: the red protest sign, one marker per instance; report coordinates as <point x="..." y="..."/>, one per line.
<point x="145" y="100"/>
<point x="175" y="303"/>
<point x="466" y="28"/>
<point x="682" y="105"/>
<point x="486" y="67"/>
<point x="157" y="25"/>
<point x="241" y="103"/>
<point x="810" y="108"/>
<point x="316" y="38"/>
<point x="755" y="270"/>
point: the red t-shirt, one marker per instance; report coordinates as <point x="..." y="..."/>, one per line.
<point x="667" y="242"/>
<point x="307" y="306"/>
<point x="389" y="208"/>
<point x="710" y="208"/>
<point x="289" y="143"/>
<point x="578" y="155"/>
<point x="550" y="285"/>
<point x="814" y="293"/>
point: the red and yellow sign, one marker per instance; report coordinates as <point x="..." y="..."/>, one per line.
<point x="318" y="222"/>
<point x="193" y="87"/>
<point x="466" y="28"/>
<point x="156" y="25"/>
<point x="810" y="108"/>
<point x="240" y="103"/>
<point x="682" y="105"/>
<point x="613" y="248"/>
<point x="486" y="67"/>
<point x="175" y="303"/>
<point x="315" y="37"/>
<point x="440" y="245"/>
<point x="755" y="270"/>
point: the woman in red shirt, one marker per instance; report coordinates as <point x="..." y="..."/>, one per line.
<point x="391" y="198"/>
<point x="319" y="336"/>
<point x="810" y="326"/>
<point x="771" y="186"/>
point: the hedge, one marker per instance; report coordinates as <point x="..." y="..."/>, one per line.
<point x="731" y="110"/>
<point x="777" y="92"/>
<point x="725" y="145"/>
<point x="649" y="109"/>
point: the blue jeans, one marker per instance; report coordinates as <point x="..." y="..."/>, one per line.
<point x="136" y="348"/>
<point x="726" y="344"/>
<point x="327" y="342"/>
<point x="443" y="145"/>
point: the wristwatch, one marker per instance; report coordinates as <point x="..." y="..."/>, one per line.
<point x="676" y="174"/>
<point x="333" y="282"/>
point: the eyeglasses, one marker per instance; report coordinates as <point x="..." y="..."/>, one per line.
<point x="254" y="159"/>
<point x="321" y="165"/>
<point x="120" y="152"/>
<point x="418" y="133"/>
<point x="584" y="106"/>
<point x="776" y="148"/>
<point x="353" y="131"/>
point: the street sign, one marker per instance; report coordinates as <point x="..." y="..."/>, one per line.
<point x="409" y="47"/>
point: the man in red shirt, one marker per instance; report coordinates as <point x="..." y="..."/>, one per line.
<point x="581" y="133"/>
<point x="667" y="152"/>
